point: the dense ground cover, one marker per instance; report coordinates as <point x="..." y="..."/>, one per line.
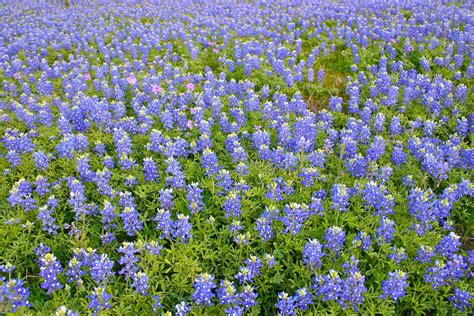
<point x="235" y="157"/>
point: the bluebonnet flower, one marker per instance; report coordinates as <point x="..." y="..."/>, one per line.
<point x="44" y="214"/>
<point x="176" y="178"/>
<point x="335" y="104"/>
<point x="248" y="297"/>
<point x="320" y="75"/>
<point x="357" y="166"/>
<point x="312" y="254"/>
<point x="232" y="205"/>
<point x="156" y="303"/>
<point x="295" y="216"/>
<point x="128" y="260"/>
<point x="83" y="168"/>
<point x="140" y="283"/>
<point x="130" y="181"/>
<point x="286" y="304"/>
<point x="13" y="158"/>
<point x="150" y="172"/>
<point x="397" y="255"/>
<point x="448" y="245"/>
<point x="385" y="231"/>
<point x="182" y="228"/>
<point x="50" y="268"/>
<point x="64" y="311"/>
<point x="130" y="221"/>
<point x="269" y="260"/>
<point x="424" y="254"/>
<point x="209" y="162"/>
<point x="41" y="160"/>
<point x="308" y="176"/>
<point x="394" y="286"/>
<point x="354" y="288"/>
<point x="461" y="300"/>
<point x="263" y="225"/>
<point x="376" y="149"/>
<point x="317" y="158"/>
<point x="99" y="148"/>
<point x="329" y="286"/>
<point x="362" y="240"/>
<point x="227" y="293"/>
<point x="376" y="196"/>
<point x="398" y="156"/>
<point x="250" y="270"/>
<point x="445" y="272"/>
<point x="108" y="215"/>
<point x="182" y="309"/>
<point x="99" y="300"/>
<point x="14" y="294"/>
<point x="203" y="287"/>
<point x="75" y="269"/>
<point x="224" y="180"/>
<point x="303" y="299"/>
<point x="153" y="247"/>
<point x="254" y="264"/>
<point x="334" y="238"/>
<point x="340" y="197"/>
<point x="166" y="199"/>
<point x="395" y="127"/>
<point x="379" y="122"/>
<point x="235" y="226"/>
<point x="164" y="223"/>
<point x="101" y="269"/>
<point x="278" y="189"/>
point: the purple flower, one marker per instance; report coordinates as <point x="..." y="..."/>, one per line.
<point x="102" y="269"/>
<point x="461" y="299"/>
<point x="14" y="294"/>
<point x="340" y="197"/>
<point x="448" y="245"/>
<point x="140" y="283"/>
<point x="164" y="223"/>
<point x="41" y="160"/>
<point x="227" y="293"/>
<point x="166" y="199"/>
<point x="385" y="231"/>
<point x="131" y="223"/>
<point x="99" y="300"/>
<point x="397" y="255"/>
<point x="128" y="260"/>
<point x="182" y="228"/>
<point x="150" y="172"/>
<point x="394" y="286"/>
<point x="203" y="286"/>
<point x="232" y="205"/>
<point x="335" y="238"/>
<point x="362" y="240"/>
<point x="312" y="254"/>
<point x="248" y="297"/>
<point x="50" y="268"/>
<point x="286" y="304"/>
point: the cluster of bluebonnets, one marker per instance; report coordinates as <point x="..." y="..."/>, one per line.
<point x="234" y="157"/>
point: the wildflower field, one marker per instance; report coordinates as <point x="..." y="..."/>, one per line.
<point x="236" y="157"/>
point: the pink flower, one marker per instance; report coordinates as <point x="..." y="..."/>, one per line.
<point x="190" y="86"/>
<point x="215" y="50"/>
<point x="190" y="124"/>
<point x="131" y="80"/>
<point x="258" y="127"/>
<point x="156" y="89"/>
<point x="87" y="76"/>
<point x="17" y="75"/>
